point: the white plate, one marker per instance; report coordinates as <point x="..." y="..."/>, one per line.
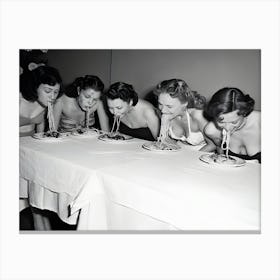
<point x="211" y="159"/>
<point x="154" y="147"/>
<point x="86" y="133"/>
<point x="42" y="136"/>
<point x="104" y="138"/>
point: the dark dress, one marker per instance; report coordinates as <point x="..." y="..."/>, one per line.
<point x="257" y="156"/>
<point x="141" y="132"/>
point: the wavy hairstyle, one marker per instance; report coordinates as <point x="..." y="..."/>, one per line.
<point x="35" y="56"/>
<point x="31" y="80"/>
<point x="227" y="100"/>
<point x="83" y="83"/>
<point x="178" y="88"/>
<point x="123" y="91"/>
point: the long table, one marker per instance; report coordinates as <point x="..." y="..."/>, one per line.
<point x="121" y="186"/>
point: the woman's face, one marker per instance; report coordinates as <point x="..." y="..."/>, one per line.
<point x="118" y="107"/>
<point x="230" y="121"/>
<point x="88" y="98"/>
<point x="47" y="93"/>
<point x="171" y="106"/>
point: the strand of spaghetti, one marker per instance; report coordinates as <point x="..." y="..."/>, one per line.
<point x="115" y="119"/>
<point x="50" y="117"/>
<point x="118" y="123"/>
<point x="162" y="139"/>
<point x="87" y="119"/>
<point x="225" y="141"/>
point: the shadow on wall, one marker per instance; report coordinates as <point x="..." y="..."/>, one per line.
<point x="152" y="98"/>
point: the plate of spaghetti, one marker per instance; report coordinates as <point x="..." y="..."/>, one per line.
<point x="84" y="132"/>
<point x="222" y="160"/>
<point x="163" y="143"/>
<point x="50" y="136"/>
<point x="159" y="146"/>
<point x="115" y="136"/>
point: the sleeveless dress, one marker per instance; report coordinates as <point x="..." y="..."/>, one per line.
<point x="141" y="132"/>
<point x="194" y="138"/>
<point x="256" y="156"/>
<point x="67" y="124"/>
<point x="27" y="125"/>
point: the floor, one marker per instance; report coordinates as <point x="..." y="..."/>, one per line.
<point x="26" y="221"/>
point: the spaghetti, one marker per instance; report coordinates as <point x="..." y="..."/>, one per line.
<point x="87" y="119"/>
<point x="51" y="117"/>
<point x="117" y="122"/>
<point x="162" y="141"/>
<point x="163" y="134"/>
<point x="225" y="141"/>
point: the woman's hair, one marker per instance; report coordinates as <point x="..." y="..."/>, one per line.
<point x="123" y="91"/>
<point x="227" y="100"/>
<point x="178" y="88"/>
<point x="32" y="56"/>
<point x="31" y="80"/>
<point x="83" y="83"/>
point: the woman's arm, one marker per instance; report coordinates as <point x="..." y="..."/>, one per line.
<point x="212" y="137"/>
<point x="40" y="127"/>
<point x="152" y="121"/>
<point x="103" y="118"/>
<point x="210" y="145"/>
<point x="57" y="111"/>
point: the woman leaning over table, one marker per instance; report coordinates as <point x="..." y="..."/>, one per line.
<point x="81" y="97"/>
<point x="235" y="121"/>
<point x="37" y="88"/>
<point x="138" y="117"/>
<point x="182" y="111"/>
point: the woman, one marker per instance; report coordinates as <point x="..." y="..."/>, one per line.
<point x="80" y="101"/>
<point x="181" y="109"/>
<point x="235" y="125"/>
<point x="37" y="88"/>
<point x="138" y="117"/>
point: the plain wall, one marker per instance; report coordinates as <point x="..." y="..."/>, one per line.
<point x="205" y="71"/>
<point x="75" y="63"/>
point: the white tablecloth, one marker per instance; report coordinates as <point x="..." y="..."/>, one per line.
<point x="122" y="186"/>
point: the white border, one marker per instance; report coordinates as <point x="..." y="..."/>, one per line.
<point x="146" y="24"/>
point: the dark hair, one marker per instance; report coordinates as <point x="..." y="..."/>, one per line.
<point x="123" y="91"/>
<point x="83" y="83"/>
<point x="31" y="80"/>
<point x="227" y="100"/>
<point x="178" y="88"/>
<point x="36" y="56"/>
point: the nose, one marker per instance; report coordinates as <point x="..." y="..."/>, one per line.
<point x="228" y="127"/>
<point x="164" y="110"/>
<point x="114" y="111"/>
<point x="53" y="96"/>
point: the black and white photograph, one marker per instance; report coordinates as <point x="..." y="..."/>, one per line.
<point x="140" y="140"/>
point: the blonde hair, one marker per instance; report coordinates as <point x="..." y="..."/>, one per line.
<point x="178" y="88"/>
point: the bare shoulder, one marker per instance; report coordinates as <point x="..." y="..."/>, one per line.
<point x="255" y="119"/>
<point x="146" y="107"/>
<point x="256" y="115"/>
<point x="211" y="130"/>
<point x="145" y="104"/>
<point x="196" y="114"/>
